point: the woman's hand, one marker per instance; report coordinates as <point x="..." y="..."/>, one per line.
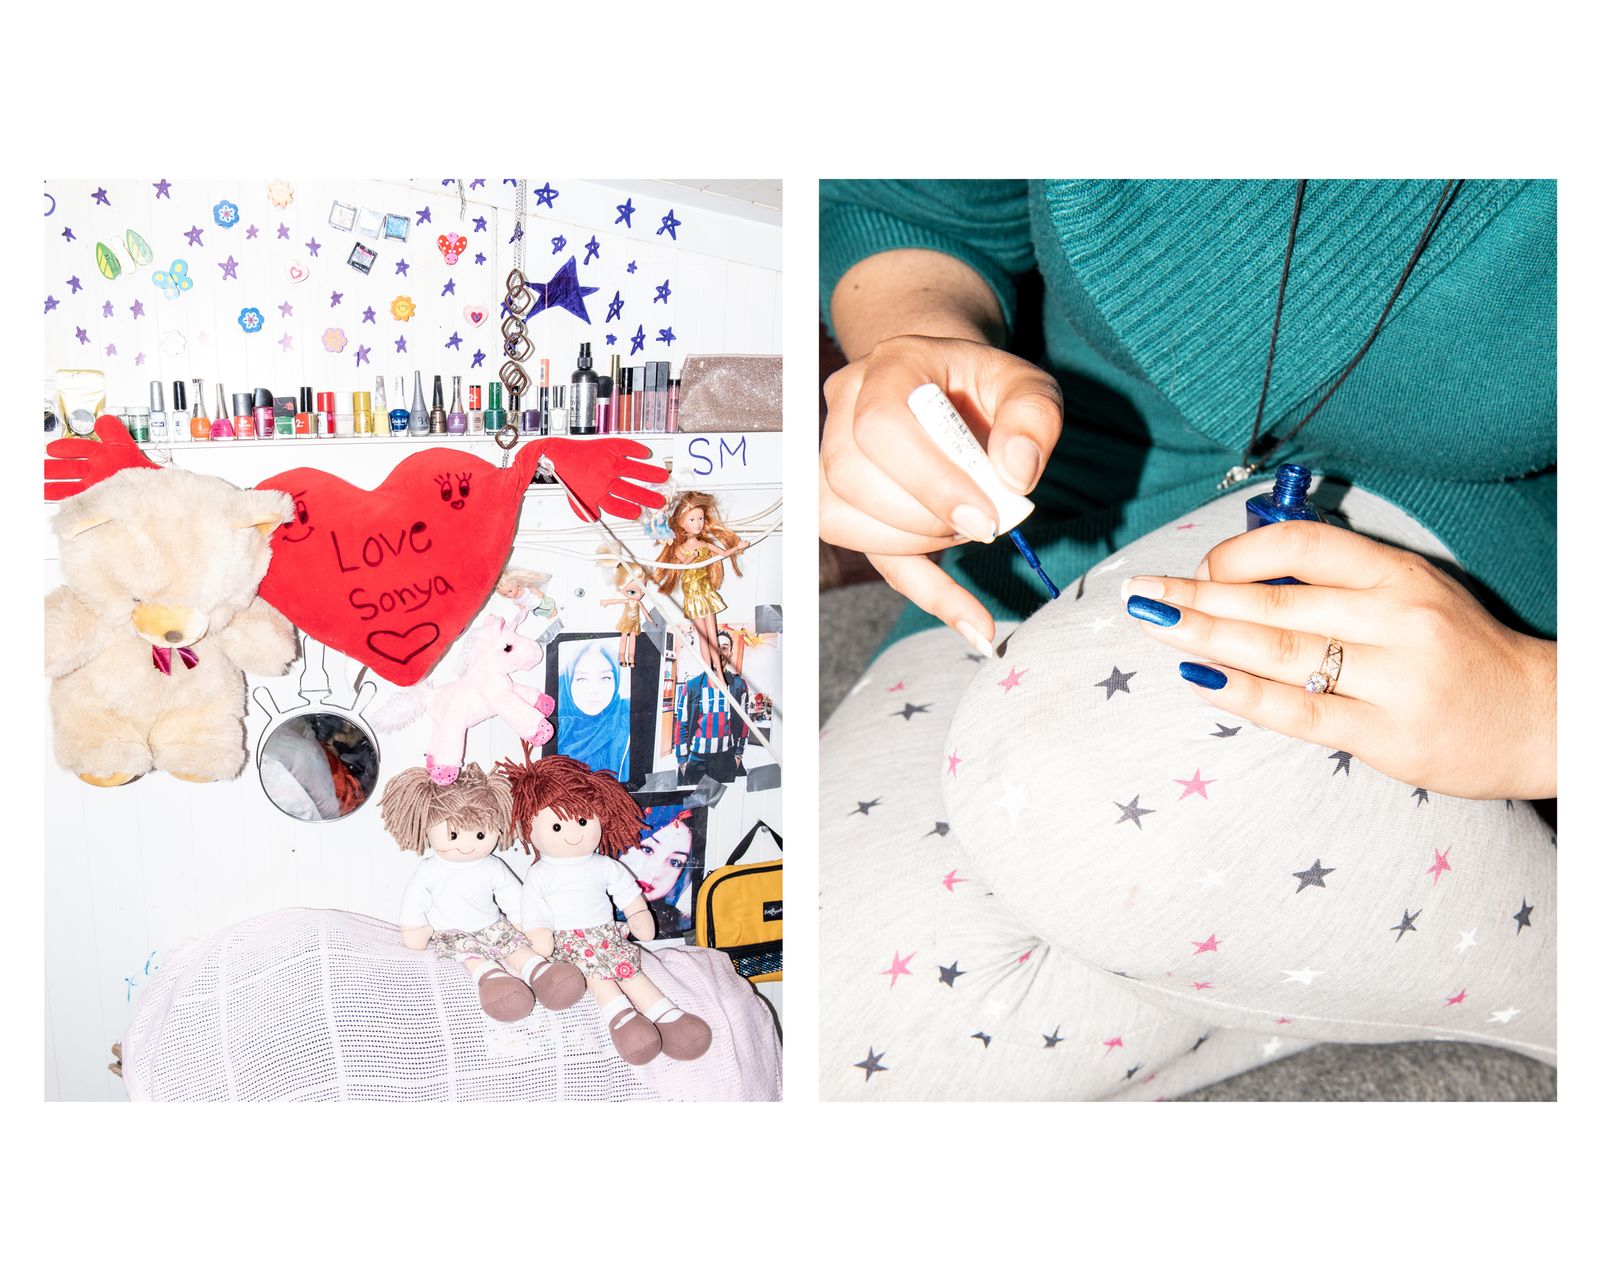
<point x="888" y="491"/>
<point x="1433" y="690"/>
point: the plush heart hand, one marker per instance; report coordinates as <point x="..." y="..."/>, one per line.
<point x="73" y="463"/>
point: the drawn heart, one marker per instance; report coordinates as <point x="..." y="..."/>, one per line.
<point x="475" y="315"/>
<point x="401" y="647"/>
<point x="297" y="272"/>
<point x="451" y="247"/>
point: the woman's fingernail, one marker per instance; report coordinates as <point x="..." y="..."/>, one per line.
<point x="1203" y="570"/>
<point x="1019" y="463"/>
<point x="973" y="524"/>
<point x="969" y="633"/>
<point x="1153" y="611"/>
<point x="1200" y="674"/>
<point x="1149" y="588"/>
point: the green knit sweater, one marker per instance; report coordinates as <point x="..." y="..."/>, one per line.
<point x="1158" y="302"/>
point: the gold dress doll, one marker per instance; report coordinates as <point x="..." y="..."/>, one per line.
<point x="694" y="516"/>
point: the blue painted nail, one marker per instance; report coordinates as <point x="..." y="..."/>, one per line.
<point x="1200" y="674"/>
<point x="1153" y="611"/>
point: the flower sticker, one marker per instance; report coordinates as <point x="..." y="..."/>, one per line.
<point x="402" y="308"/>
<point x="280" y="192"/>
<point x="250" y="320"/>
<point x="225" y="212"/>
<point x="333" y="340"/>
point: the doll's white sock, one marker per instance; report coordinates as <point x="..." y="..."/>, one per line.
<point x="663" y="1011"/>
<point x="526" y="972"/>
<point x="489" y="969"/>
<point x="614" y="1007"/>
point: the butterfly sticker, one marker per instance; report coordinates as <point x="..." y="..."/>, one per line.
<point x="113" y="258"/>
<point x="175" y="281"/>
<point x="451" y="247"/>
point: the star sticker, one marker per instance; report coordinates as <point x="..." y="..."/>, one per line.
<point x="1118" y="680"/>
<point x="51" y="302"/>
<point x="100" y="197"/>
<point x="1405" y="923"/>
<point x="1194" y="786"/>
<point x="897" y="968"/>
<point x="1313" y="876"/>
<point x="1115" y="1043"/>
<point x="1224" y="731"/>
<point x="557" y="244"/>
<point x="1012" y="679"/>
<point x="1421" y="794"/>
<point x="872" y="1063"/>
<point x="401" y="266"/>
<point x="670" y="224"/>
<point x="363" y="355"/>
<point x="137" y="310"/>
<point x="1344" y="759"/>
<point x="1302" y="976"/>
<point x="632" y="267"/>
<point x="951" y="762"/>
<point x="1131" y="810"/>
<point x="286" y="342"/>
<point x="1457" y="998"/>
<point x="951" y="880"/>
<point x="335" y="298"/>
<point x="83" y="336"/>
<point x="638" y="342"/>
<point x="1441" y="865"/>
<point x="666" y="335"/>
<point x="477" y="359"/>
<point x="865" y="807"/>
<point x="948" y="974"/>
<point x="1269" y="1048"/>
<point x="195" y="237"/>
<point x="981" y="1036"/>
<point x="230" y="269"/>
<point x="106" y="309"/>
<point x="1503" y="1016"/>
<point x="663" y="290"/>
<point x="425" y="214"/>
<point x="1016" y="800"/>
<point x="614" y="307"/>
<point x="163" y="189"/>
<point x="546" y="196"/>
<point x="73" y="281"/>
<point x="480" y="224"/>
<point x="591" y="250"/>
<point x="449" y="287"/>
<point x="624" y="213"/>
<point x="1524" y="918"/>
<point x="283" y="231"/>
<point x="563" y="290"/>
<point x="911" y="709"/>
<point x="1211" y="878"/>
<point x="940" y="828"/>
<point x="370" y="316"/>
<point x="1209" y="945"/>
<point x="1468" y="939"/>
<point x="250" y="232"/>
<point x="312" y="246"/>
<point x="399" y="344"/>
<point x="1053" y="1039"/>
<point x="453" y="343"/>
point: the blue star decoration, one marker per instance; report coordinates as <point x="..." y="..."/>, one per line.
<point x="100" y="197"/>
<point x="401" y="266"/>
<point x="632" y="267"/>
<point x="663" y="291"/>
<point x="477" y="359"/>
<point x="557" y="244"/>
<point x="563" y="290"/>
<point x="363" y="356"/>
<point x="425" y="214"/>
<point x="400" y="344"/>
<point x="670" y="224"/>
<point x="480" y="224"/>
<point x="625" y="213"/>
<point x="614" y="307"/>
<point x="591" y="250"/>
<point x="454" y="344"/>
<point x="480" y="259"/>
<point x="516" y="234"/>
<point x="449" y="287"/>
<point x="638" y="342"/>
<point x="611" y="339"/>
<point x="546" y="195"/>
<point x="369" y="316"/>
<point x="667" y="336"/>
<point x="872" y="1063"/>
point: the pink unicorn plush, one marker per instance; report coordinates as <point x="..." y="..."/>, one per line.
<point x="484" y="690"/>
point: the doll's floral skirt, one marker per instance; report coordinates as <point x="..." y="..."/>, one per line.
<point x="494" y="942"/>
<point x="599" y="951"/>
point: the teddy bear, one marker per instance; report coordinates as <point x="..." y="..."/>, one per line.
<point x="148" y="639"/>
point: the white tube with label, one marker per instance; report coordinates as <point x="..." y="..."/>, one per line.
<point x="948" y="430"/>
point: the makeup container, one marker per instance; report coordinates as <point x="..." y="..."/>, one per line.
<point x="1287" y="501"/>
<point x="584" y="395"/>
<point x="475" y="409"/>
<point x="380" y="408"/>
<point x="602" y="406"/>
<point x="222" y="424"/>
<point x="949" y="431"/>
<point x="364" y="421"/>
<point x="283" y="414"/>
<point x="244" y="415"/>
<point x="672" y="403"/>
<point x="342" y="422"/>
<point x="199" y="425"/>
<point x="494" y="418"/>
<point x="157" y="422"/>
<point x="663" y="373"/>
<point x="137" y="420"/>
<point x="178" y="419"/>
<point x="436" y="415"/>
<point x="80" y="399"/>
<point x="261" y="413"/>
<point x="324" y="413"/>
<point x="624" y="398"/>
<point x="417" y="424"/>
<point x="455" y="422"/>
<point x="305" y="422"/>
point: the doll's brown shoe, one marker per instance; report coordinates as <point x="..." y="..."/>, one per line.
<point x="685" y="1037"/>
<point x="557" y="984"/>
<point x="635" y="1037"/>
<point x="505" y="998"/>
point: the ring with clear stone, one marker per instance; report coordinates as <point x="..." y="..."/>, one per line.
<point x="1326" y="677"/>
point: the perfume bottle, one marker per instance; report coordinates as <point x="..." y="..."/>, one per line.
<point x="380" y="408"/>
<point x="494" y="418"/>
<point x="475" y="409"/>
<point x="436" y="418"/>
<point x="418" y="423"/>
<point x="199" y="425"/>
<point x="1287" y="501"/>
<point x="584" y="393"/>
<point x="456" y="421"/>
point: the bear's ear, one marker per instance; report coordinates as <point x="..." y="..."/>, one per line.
<point x="75" y="525"/>
<point x="264" y="509"/>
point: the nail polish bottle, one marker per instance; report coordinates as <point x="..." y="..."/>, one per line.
<point x="158" y="413"/>
<point x="530" y="424"/>
<point x="305" y="422"/>
<point x="672" y="403"/>
<point x="363" y="413"/>
<point x="324" y="412"/>
<point x="494" y="418"/>
<point x="179" y="416"/>
<point x="222" y="424"/>
<point x="284" y="409"/>
<point x="380" y="408"/>
<point x="343" y="421"/>
<point x="602" y="406"/>
<point x="583" y="395"/>
<point x="418" y="422"/>
<point x="244" y="415"/>
<point x="399" y="416"/>
<point x="436" y="416"/>
<point x="1287" y="501"/>
<point x="261" y="407"/>
<point x="475" y="409"/>
<point x="199" y="425"/>
<point x="455" y="422"/>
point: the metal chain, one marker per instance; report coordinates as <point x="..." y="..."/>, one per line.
<point x="514" y="333"/>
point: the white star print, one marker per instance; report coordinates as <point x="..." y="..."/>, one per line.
<point x="861" y="684"/>
<point x="1302" y="976"/>
<point x="1467" y="940"/>
<point x="1503" y="1016"/>
<point x="1100" y="624"/>
<point x="1015" y="802"/>
<point x="1269" y="1048"/>
<point x="1106" y="569"/>
<point x="1212" y="877"/>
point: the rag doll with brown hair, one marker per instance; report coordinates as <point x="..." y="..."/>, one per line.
<point x="695" y="521"/>
<point x="454" y="900"/>
<point x="576" y="822"/>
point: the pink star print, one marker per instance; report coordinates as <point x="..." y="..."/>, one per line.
<point x="951" y="880"/>
<point x="1115" y="1043"/>
<point x="1190" y="525"/>
<point x="897" y="967"/>
<point x="1194" y="785"/>
<point x="1457" y="998"/>
<point x="1201" y="987"/>
<point x="1441" y="864"/>
<point x="1024" y="956"/>
<point x="954" y="761"/>
<point x="1210" y="945"/>
<point x="1283" y="1020"/>
<point x="897" y="687"/>
<point x="1012" y="680"/>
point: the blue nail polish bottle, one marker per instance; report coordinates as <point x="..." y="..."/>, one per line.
<point x="1287" y="501"/>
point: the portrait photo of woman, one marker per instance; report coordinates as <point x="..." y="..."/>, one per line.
<point x="669" y="864"/>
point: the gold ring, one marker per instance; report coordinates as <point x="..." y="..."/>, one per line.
<point x="1326" y="677"/>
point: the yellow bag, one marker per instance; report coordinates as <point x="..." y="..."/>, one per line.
<point x="740" y="911"/>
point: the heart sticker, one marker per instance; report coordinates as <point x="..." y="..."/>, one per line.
<point x="451" y="247"/>
<point x="475" y="315"/>
<point x="297" y="271"/>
